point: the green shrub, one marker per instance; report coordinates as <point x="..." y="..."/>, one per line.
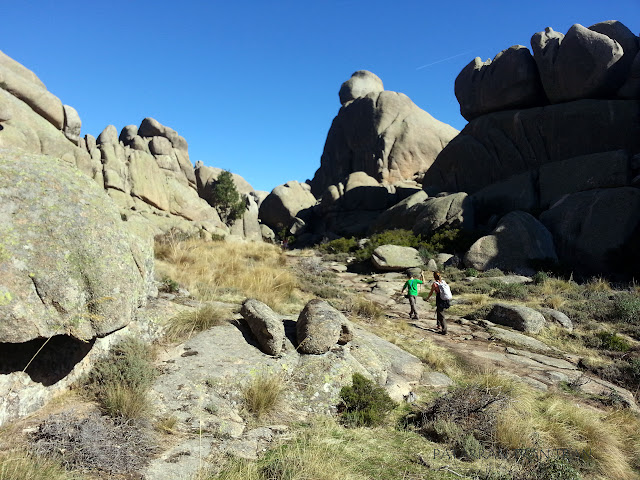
<point x="120" y="381"/>
<point x="480" y="314"/>
<point x="364" y="403"/>
<point x="540" y="277"/>
<point x="450" y="240"/>
<point x="509" y="291"/>
<point x="608" y="341"/>
<point x="553" y="469"/>
<point x="626" y="308"/>
<point x="168" y="285"/>
<point x="471" y="272"/>
<point x="340" y="245"/>
<point x="226" y="199"/>
<point x="493" y="272"/>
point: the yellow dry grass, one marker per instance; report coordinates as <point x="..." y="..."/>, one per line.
<point x="548" y="421"/>
<point x="18" y="465"/>
<point x="229" y="271"/>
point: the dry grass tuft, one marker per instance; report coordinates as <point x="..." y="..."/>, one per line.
<point x="363" y="308"/>
<point x="477" y="299"/>
<point x="228" y="271"/>
<point x="189" y="322"/>
<point x="535" y="420"/>
<point x="555" y="301"/>
<point x="17" y="465"/>
<point x="262" y="394"/>
<point x="597" y="284"/>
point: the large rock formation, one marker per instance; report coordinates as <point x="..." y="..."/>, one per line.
<point x="510" y="81"/>
<point x="572" y="150"/>
<point x="63" y="247"/>
<point x="381" y="133"/>
<point x="145" y="169"/>
<point x="285" y="204"/>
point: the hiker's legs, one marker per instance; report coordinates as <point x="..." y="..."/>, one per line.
<point x="412" y="301"/>
<point x="442" y="323"/>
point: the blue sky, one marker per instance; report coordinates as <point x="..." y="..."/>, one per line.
<point x="253" y="86"/>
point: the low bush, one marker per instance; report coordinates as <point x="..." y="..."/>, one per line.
<point x="608" y="341"/>
<point x="189" y="322"/>
<point x="480" y="314"/>
<point x="465" y="418"/>
<point x="509" y="291"/>
<point x="471" y="272"/>
<point x="540" y="277"/>
<point x="361" y="307"/>
<point x="262" y="393"/>
<point x="93" y="442"/>
<point x="340" y="245"/>
<point x="120" y="381"/>
<point x="364" y="403"/>
<point x="626" y="308"/>
<point x="493" y="272"/>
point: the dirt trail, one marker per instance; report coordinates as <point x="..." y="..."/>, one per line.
<point x="480" y="343"/>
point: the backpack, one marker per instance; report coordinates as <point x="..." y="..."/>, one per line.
<point x="445" y="291"/>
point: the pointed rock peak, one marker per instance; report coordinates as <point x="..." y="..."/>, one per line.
<point x="360" y="84"/>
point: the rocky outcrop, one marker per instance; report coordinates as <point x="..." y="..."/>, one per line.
<point x="265" y="325"/>
<point x="146" y="170"/>
<point x="495" y="147"/>
<point x="67" y="264"/>
<point x="589" y="228"/>
<point x="320" y="327"/>
<point x="285" y="203"/>
<point x="517" y="241"/>
<point x="521" y="318"/>
<point x="510" y="81"/>
<point x="402" y="215"/>
<point x="453" y="211"/>
<point x="381" y="133"/>
<point x="580" y="64"/>
<point x="395" y="258"/>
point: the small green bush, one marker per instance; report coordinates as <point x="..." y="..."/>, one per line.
<point x="364" y="403"/>
<point x="626" y="308"/>
<point x="340" y="245"/>
<point x="493" y="272"/>
<point x="608" y="341"/>
<point x="480" y="314"/>
<point x="540" y="277"/>
<point x="553" y="469"/>
<point x="509" y="291"/>
<point x="471" y="272"/>
<point x="121" y="380"/>
<point x="226" y="199"/>
<point x="168" y="285"/>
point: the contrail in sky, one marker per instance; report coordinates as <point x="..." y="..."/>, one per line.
<point x="444" y="60"/>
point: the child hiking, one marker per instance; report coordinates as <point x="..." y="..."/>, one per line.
<point x="443" y="295"/>
<point x="412" y="292"/>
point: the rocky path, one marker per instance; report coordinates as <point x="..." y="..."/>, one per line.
<point x="481" y="343"/>
<point x="202" y="381"/>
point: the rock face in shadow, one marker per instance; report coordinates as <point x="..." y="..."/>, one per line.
<point x="517" y="240"/>
<point x="511" y="81"/>
<point x="495" y="147"/>
<point x="381" y="133"/>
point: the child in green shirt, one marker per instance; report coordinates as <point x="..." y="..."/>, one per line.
<point x="412" y="290"/>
